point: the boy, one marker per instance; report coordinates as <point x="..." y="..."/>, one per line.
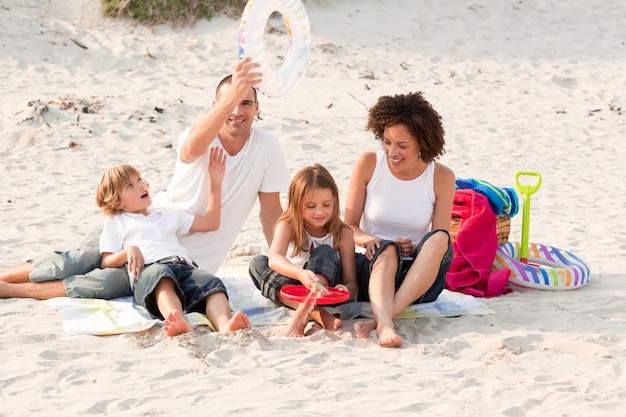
<point x="164" y="279"/>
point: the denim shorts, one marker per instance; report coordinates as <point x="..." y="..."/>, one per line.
<point x="324" y="261"/>
<point x="364" y="269"/>
<point x="80" y="271"/>
<point x="192" y="285"/>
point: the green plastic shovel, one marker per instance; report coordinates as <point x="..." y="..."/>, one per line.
<point x="526" y="191"/>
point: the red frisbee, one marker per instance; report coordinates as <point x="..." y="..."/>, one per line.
<point x="301" y="294"/>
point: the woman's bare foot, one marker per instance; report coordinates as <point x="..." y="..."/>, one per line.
<point x="387" y="337"/>
<point x="237" y="322"/>
<point x="176" y="324"/>
<point x="364" y="328"/>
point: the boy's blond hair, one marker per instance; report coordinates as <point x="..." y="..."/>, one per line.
<point x="111" y="186"/>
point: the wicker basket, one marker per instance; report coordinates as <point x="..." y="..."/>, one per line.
<point x="503" y="228"/>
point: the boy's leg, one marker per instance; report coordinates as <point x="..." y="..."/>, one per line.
<point x="206" y="293"/>
<point x="219" y="313"/>
<point x="171" y="308"/>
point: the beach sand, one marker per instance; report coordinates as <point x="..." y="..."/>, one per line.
<point x="521" y="86"/>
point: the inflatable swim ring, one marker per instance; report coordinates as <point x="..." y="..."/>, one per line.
<point x="251" y="30"/>
<point x="548" y="268"/>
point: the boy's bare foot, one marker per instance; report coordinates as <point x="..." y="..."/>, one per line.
<point x="176" y="324"/>
<point x="364" y="328"/>
<point x="387" y="337"/>
<point x="238" y="321"/>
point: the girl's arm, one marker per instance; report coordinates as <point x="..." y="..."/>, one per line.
<point x="211" y="219"/>
<point x="277" y="258"/>
<point x="348" y="265"/>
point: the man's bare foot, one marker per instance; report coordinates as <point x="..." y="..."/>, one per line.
<point x="387" y="337"/>
<point x="364" y="328"/>
<point x="176" y="324"/>
<point x="238" y="321"/>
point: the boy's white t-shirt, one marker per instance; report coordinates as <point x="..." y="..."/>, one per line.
<point x="155" y="234"/>
<point x="258" y="167"/>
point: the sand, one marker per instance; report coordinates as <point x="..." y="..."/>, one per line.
<point x="521" y="85"/>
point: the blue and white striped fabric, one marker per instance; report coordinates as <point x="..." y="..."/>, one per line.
<point x="501" y="200"/>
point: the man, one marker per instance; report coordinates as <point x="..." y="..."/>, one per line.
<point x="255" y="167"/>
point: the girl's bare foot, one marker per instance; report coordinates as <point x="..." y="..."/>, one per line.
<point x="299" y="320"/>
<point x="176" y="324"/>
<point x="325" y="319"/>
<point x="237" y="322"/>
<point x="364" y="328"/>
<point x="296" y="328"/>
<point x="387" y="337"/>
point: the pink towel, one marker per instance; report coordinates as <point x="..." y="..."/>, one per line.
<point x="475" y="248"/>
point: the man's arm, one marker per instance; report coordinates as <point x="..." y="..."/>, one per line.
<point x="206" y="129"/>
<point x="271" y="210"/>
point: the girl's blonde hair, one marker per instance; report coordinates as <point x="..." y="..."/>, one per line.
<point x="311" y="178"/>
<point x="111" y="185"/>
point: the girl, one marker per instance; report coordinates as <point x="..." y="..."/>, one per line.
<point x="311" y="246"/>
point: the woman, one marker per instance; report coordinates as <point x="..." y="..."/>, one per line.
<point x="399" y="206"/>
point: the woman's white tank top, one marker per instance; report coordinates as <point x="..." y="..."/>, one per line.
<point x="398" y="208"/>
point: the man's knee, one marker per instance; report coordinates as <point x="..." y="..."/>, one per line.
<point x="63" y="264"/>
<point x="105" y="284"/>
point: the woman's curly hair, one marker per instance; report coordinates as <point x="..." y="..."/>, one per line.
<point x="413" y="111"/>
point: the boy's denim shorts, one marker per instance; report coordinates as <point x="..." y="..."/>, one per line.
<point x="192" y="285"/>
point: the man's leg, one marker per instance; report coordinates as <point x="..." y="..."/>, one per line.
<point x="17" y="274"/>
<point x="39" y="291"/>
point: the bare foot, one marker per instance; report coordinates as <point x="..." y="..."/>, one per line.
<point x="364" y="328"/>
<point x="237" y="322"/>
<point x="296" y="328"/>
<point x="387" y="337"/>
<point x="176" y="324"/>
<point x="325" y="319"/>
<point x="299" y="320"/>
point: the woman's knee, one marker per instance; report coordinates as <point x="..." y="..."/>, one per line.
<point x="439" y="241"/>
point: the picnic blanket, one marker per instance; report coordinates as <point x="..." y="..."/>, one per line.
<point x="123" y="315"/>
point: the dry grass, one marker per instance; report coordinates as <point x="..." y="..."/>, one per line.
<point x="176" y="12"/>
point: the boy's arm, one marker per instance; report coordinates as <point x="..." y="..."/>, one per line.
<point x="131" y="255"/>
<point x="211" y="219"/>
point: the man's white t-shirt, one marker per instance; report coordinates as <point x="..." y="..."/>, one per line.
<point x="258" y="167"/>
